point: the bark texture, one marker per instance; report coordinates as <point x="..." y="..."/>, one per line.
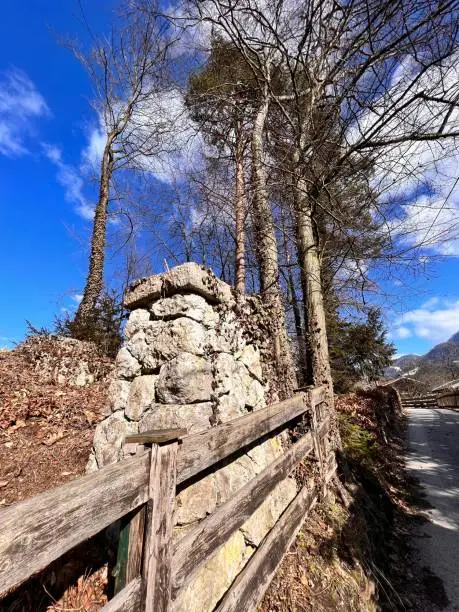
<point x="314" y="301"/>
<point x="240" y="216"/>
<point x="267" y="254"/>
<point x="95" y="279"/>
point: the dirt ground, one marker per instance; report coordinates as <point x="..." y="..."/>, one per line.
<point x="46" y="432"/>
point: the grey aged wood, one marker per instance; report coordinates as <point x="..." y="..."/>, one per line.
<point x="37" y="531"/>
<point x="250" y="585"/>
<point x="199" y="451"/>
<point x="135" y="547"/>
<point x="158" y="549"/>
<point x="127" y="600"/>
<point x="200" y="542"/>
<point x="156" y="436"/>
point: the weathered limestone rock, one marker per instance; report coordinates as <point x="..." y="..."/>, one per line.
<point x="196" y="501"/>
<point x="126" y="366"/>
<point x="109" y="438"/>
<point x="118" y="393"/>
<point x="184" y="380"/>
<point x="266" y="515"/>
<point x="231" y="405"/>
<point x="192" y="417"/>
<point x="188" y="277"/>
<point x="159" y="341"/>
<point x="229" y="374"/>
<point x="137" y="320"/>
<point x="141" y="396"/>
<point x="65" y="361"/>
<point x="255" y="395"/>
<point x="250" y="357"/>
<point x="189" y="305"/>
<point x="215" y="577"/>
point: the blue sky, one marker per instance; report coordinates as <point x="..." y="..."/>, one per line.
<point x="47" y="129"/>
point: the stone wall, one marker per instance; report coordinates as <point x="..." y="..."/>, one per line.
<point x="188" y="361"/>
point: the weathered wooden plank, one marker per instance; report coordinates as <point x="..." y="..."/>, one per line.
<point x="158" y="549"/>
<point x="252" y="582"/>
<point x="199" y="451"/>
<point x="135" y="547"/>
<point x="127" y="600"/>
<point x="157" y="436"/>
<point x="190" y="552"/>
<point x="122" y="555"/>
<point x="39" y="530"/>
<point x="318" y="395"/>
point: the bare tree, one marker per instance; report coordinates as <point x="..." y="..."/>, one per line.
<point x="128" y="71"/>
<point x="360" y="79"/>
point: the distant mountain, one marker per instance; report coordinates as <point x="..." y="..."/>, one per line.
<point x="438" y="366"/>
<point x="444" y="352"/>
<point x="407" y="362"/>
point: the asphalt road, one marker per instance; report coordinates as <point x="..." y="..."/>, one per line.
<point x="434" y="459"/>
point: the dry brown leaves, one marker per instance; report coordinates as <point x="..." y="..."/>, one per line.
<point x="46" y="429"/>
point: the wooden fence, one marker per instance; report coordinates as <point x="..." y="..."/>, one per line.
<point x="141" y="491"/>
<point x="449" y="399"/>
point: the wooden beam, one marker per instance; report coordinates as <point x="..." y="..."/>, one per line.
<point x="201" y="541"/>
<point x="199" y="451"/>
<point x="251" y="584"/>
<point x="158" y="549"/>
<point x="156" y="436"/>
<point x="39" y="530"/>
<point x="127" y="600"/>
<point x="135" y="547"/>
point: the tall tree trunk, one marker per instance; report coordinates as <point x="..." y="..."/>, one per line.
<point x="266" y="248"/>
<point x="95" y="279"/>
<point x="314" y="300"/>
<point x="240" y="215"/>
<point x="293" y="301"/>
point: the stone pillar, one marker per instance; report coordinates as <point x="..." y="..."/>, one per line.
<point x="188" y="362"/>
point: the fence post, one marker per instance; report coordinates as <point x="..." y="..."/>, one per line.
<point x="318" y="447"/>
<point x="157" y="550"/>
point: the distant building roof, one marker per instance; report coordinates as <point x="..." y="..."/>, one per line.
<point x="451" y="384"/>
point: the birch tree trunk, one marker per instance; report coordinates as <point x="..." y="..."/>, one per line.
<point x="95" y="279"/>
<point x="267" y="253"/>
<point x="240" y="215"/>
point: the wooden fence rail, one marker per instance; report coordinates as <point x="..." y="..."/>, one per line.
<point x="142" y="489"/>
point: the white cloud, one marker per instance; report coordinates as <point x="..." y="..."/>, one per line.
<point x="71" y="181"/>
<point x="402" y="332"/>
<point x="92" y="153"/>
<point x="436" y="320"/>
<point x="77" y="298"/>
<point x="421" y="178"/>
<point x="20" y="104"/>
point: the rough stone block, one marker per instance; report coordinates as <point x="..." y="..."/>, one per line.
<point x="255" y="395"/>
<point x="193" y="417"/>
<point x="186" y="278"/>
<point x="161" y="341"/>
<point x="117" y="395"/>
<point x="141" y="396"/>
<point x="126" y="366"/>
<point x="137" y="321"/>
<point x="109" y="438"/>
<point x="189" y="305"/>
<point x="215" y="577"/>
<point x="250" y="357"/>
<point x="185" y="379"/>
<point x="196" y="501"/>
